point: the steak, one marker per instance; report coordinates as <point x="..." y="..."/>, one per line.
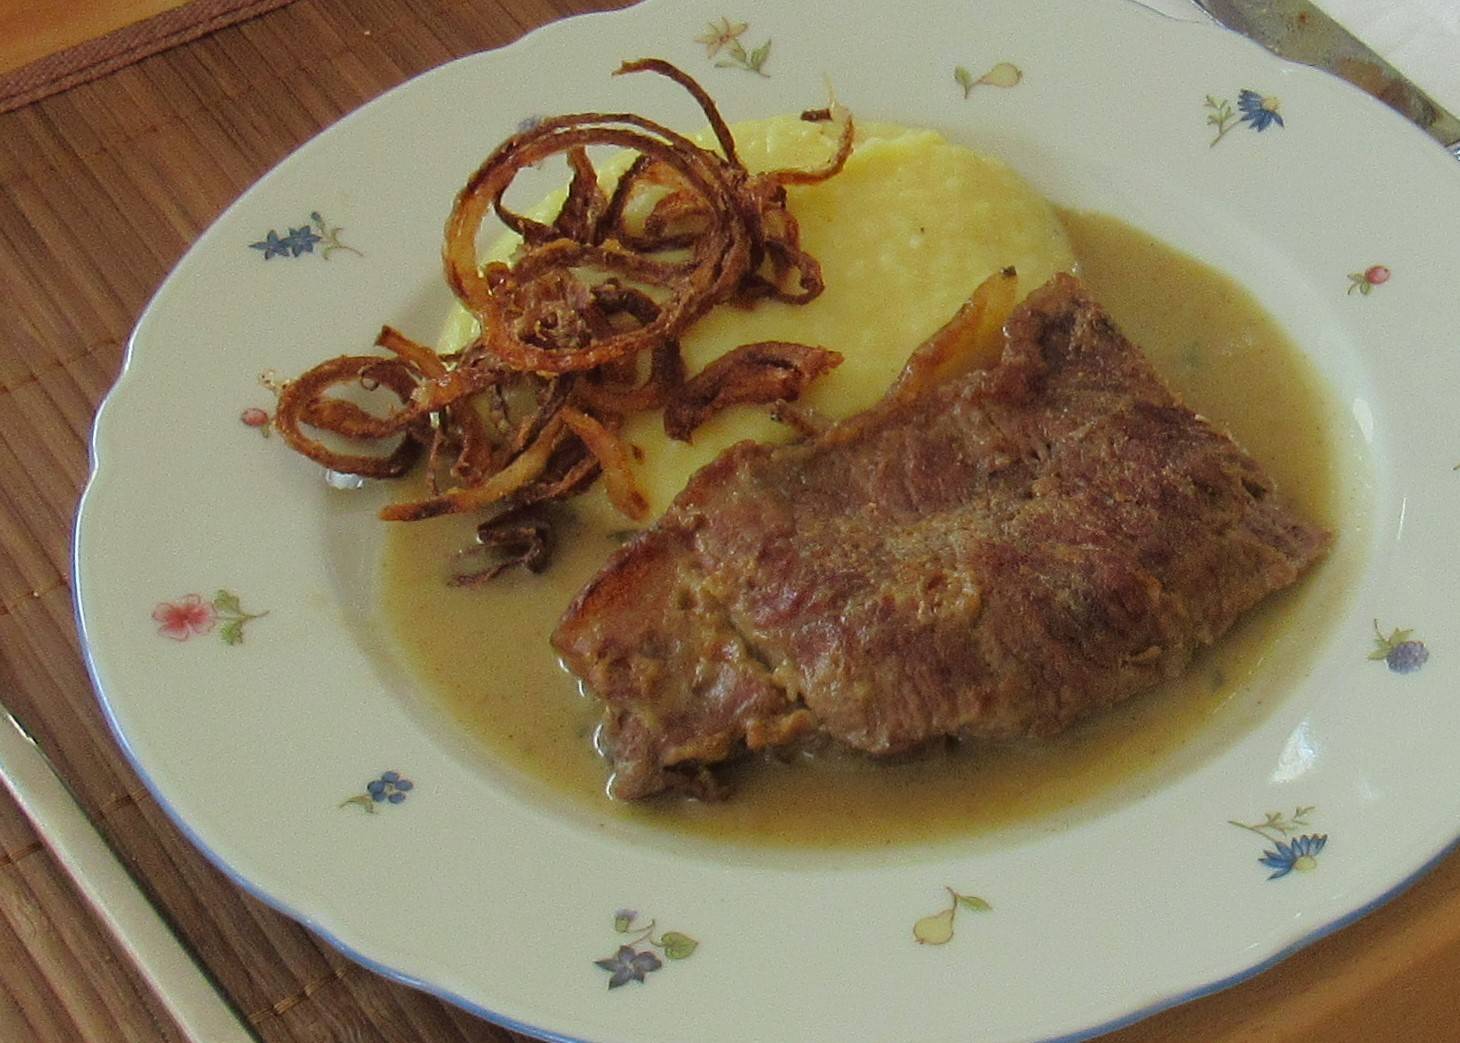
<point x="992" y="555"/>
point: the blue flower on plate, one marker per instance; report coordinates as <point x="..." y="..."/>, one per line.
<point x="302" y="240"/>
<point x="272" y="245"/>
<point x="628" y="965"/>
<point x="298" y="241"/>
<point x="1301" y="854"/>
<point x="1258" y="111"/>
<point x="390" y="786"/>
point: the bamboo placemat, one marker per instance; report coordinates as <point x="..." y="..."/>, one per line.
<point x="102" y="188"/>
<point x="87" y="40"/>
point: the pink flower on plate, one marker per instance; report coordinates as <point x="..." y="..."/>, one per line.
<point x="182" y="619"/>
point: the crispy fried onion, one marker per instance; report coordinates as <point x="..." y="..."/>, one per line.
<point x="717" y="233"/>
<point x="580" y="330"/>
<point x="517" y="538"/>
<point x="766" y="372"/>
<point x="304" y="401"/>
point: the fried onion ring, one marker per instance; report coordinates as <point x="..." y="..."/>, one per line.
<point x="768" y="371"/>
<point x="717" y="191"/>
<point x="526" y="467"/>
<point x="528" y="411"/>
<point x="302" y="401"/>
<point x="623" y="488"/>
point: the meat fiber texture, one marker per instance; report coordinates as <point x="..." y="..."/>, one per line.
<point x="993" y="557"/>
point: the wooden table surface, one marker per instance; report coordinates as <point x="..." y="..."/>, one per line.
<point x="104" y="187"/>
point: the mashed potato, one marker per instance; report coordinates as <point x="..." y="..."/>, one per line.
<point x="904" y="233"/>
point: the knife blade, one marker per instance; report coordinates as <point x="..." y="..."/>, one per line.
<point x="1300" y="32"/>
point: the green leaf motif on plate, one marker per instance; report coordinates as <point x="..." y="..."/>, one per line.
<point x="230" y="610"/>
<point x="1004" y="74"/>
<point x="678" y="946"/>
<point x="937" y="928"/>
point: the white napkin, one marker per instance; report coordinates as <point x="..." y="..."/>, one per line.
<point x="1420" y="38"/>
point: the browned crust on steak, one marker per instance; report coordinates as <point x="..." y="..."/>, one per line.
<point x="996" y="557"/>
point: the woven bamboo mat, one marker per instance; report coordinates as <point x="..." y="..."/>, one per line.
<point x="104" y="187"/>
<point x="83" y="41"/>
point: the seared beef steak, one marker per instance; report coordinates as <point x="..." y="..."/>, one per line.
<point x="994" y="556"/>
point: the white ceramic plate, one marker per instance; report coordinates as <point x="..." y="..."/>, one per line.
<point x="252" y="731"/>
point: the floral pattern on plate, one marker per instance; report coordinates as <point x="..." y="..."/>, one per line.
<point x="1364" y="282"/>
<point x="191" y="616"/>
<point x="302" y="240"/>
<point x="1254" y="110"/>
<point x="937" y="928"/>
<point x="391" y="787"/>
<point x="1293" y="851"/>
<point x="1005" y="74"/>
<point x="632" y="963"/>
<point x="1400" y="650"/>
<point x="725" y="35"/>
<point x="256" y="418"/>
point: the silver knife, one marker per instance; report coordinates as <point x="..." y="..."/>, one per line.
<point x="1298" y="31"/>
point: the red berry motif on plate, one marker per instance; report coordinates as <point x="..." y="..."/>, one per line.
<point x="1365" y="281"/>
<point x="256" y="418"/>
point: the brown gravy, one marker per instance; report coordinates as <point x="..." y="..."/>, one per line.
<point x="1210" y="340"/>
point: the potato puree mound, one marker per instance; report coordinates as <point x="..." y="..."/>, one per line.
<point x="903" y="235"/>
